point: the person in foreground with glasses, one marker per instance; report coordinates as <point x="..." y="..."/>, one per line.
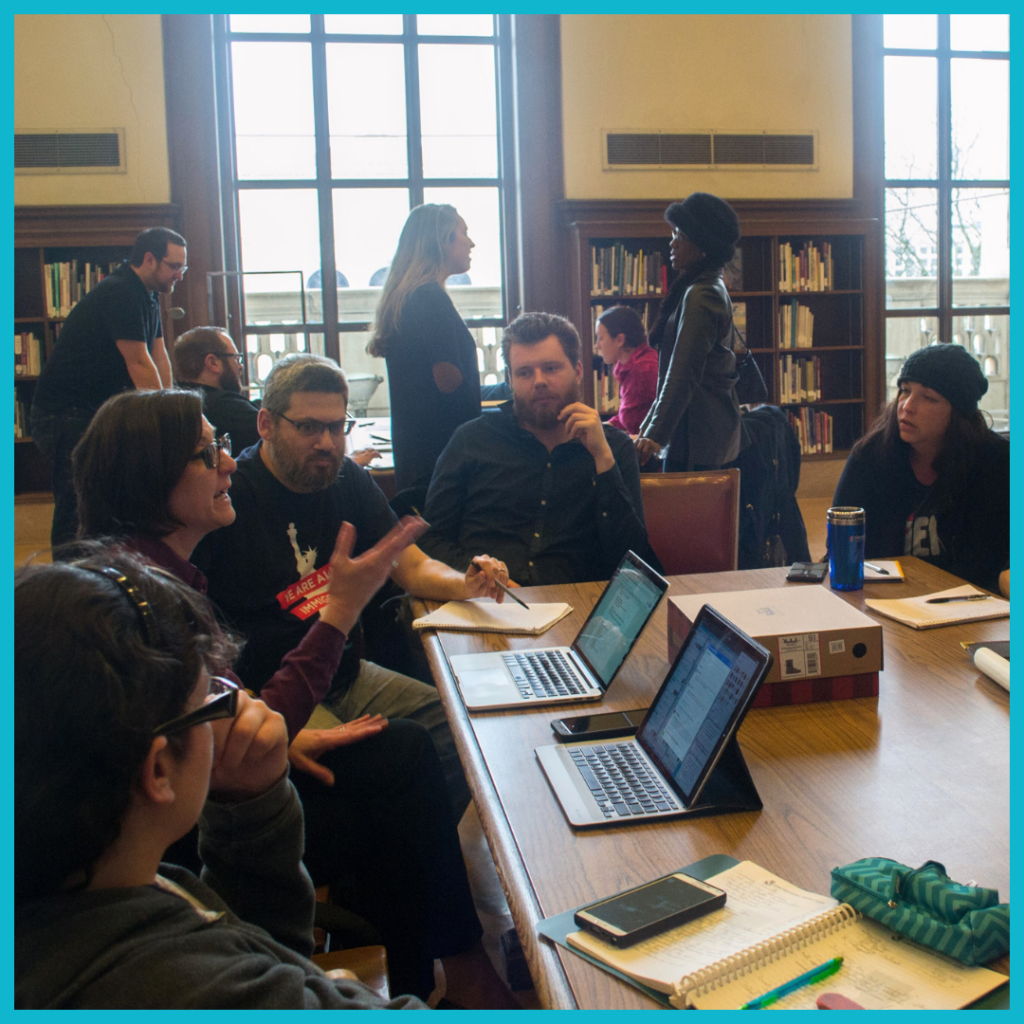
<point x="124" y="738"/>
<point x="379" y="824"/>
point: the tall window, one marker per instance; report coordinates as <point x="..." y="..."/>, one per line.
<point x="334" y="126"/>
<point x="947" y="191"/>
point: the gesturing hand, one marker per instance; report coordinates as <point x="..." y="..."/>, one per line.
<point x="583" y="422"/>
<point x="250" y="751"/>
<point x="482" y="573"/>
<point x="355" y="580"/>
<point x="310" y="744"/>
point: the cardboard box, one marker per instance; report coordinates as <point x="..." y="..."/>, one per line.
<point x="812" y="633"/>
<point x="810" y="691"/>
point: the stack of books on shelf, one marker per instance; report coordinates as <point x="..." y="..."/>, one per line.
<point x="616" y="271"/>
<point x="813" y="430"/>
<point x="20" y="416"/>
<point x="28" y="355"/>
<point x="796" y="325"/>
<point x="806" y="271"/>
<point x="67" y="282"/>
<point x="799" y="380"/>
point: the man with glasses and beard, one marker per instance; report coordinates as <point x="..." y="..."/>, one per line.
<point x="541" y="483"/>
<point x="269" y="570"/>
<point x="206" y="360"/>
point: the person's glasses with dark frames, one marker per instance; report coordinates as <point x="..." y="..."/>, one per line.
<point x="221" y="702"/>
<point x="211" y="453"/>
<point x="316" y="428"/>
<point x="176" y="268"/>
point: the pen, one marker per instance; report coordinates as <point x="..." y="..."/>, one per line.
<point x="825" y="970"/>
<point x="965" y="597"/>
<point x="877" y="568"/>
<point x="511" y="593"/>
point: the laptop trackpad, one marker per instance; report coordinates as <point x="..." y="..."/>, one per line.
<point x="486" y="685"/>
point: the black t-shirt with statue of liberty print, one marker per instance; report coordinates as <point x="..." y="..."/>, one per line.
<point x="971" y="539"/>
<point x="268" y="571"/>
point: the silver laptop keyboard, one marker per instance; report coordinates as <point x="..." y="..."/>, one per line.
<point x="620" y="781"/>
<point x="542" y="674"/>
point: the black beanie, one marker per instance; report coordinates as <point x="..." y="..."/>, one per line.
<point x="949" y="369"/>
<point x="709" y="222"/>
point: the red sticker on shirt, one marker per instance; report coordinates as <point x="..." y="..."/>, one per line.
<point x="311" y="591"/>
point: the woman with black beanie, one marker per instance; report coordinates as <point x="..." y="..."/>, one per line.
<point x="696" y="415"/>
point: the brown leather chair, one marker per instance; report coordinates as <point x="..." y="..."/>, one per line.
<point x="368" y="963"/>
<point x="693" y="519"/>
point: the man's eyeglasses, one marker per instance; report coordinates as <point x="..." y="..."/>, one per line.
<point x="221" y="702"/>
<point x="211" y="453"/>
<point x="177" y="268"/>
<point x="230" y="355"/>
<point x="316" y="428"/>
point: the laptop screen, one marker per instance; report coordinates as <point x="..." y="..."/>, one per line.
<point x="619" y="617"/>
<point x="701" y="701"/>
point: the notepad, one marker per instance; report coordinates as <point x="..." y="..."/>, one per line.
<point x="917" y="613"/>
<point x="896" y="574"/>
<point x="770" y="931"/>
<point x="482" y="615"/>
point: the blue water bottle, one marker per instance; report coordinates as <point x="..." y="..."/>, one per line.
<point x="846" y="548"/>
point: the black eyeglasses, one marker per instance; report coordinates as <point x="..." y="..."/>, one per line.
<point x="177" y="268"/>
<point x="230" y="355"/>
<point x="211" y="453"/>
<point x="221" y="702"/>
<point x="316" y="428"/>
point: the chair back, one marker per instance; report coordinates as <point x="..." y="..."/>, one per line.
<point x="693" y="519"/>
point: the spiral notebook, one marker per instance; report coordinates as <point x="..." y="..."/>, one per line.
<point x="770" y="931"/>
<point x="482" y="615"/>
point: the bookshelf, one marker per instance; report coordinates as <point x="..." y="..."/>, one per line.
<point x="44" y="236"/>
<point x="841" y="342"/>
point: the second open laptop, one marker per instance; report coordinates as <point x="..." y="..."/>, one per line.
<point x="582" y="672"/>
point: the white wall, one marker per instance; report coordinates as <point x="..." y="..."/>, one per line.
<point x="677" y="73"/>
<point x="96" y="72"/>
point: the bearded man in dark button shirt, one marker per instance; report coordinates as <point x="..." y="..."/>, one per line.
<point x="542" y="483"/>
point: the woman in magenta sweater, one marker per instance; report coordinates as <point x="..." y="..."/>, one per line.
<point x="621" y="342"/>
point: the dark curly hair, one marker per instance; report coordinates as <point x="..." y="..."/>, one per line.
<point x="88" y="692"/>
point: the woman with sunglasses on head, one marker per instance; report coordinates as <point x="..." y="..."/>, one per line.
<point x="433" y="377"/>
<point x="149" y="473"/>
<point x="696" y="415"/>
<point x="124" y="739"/>
<point x="932" y="478"/>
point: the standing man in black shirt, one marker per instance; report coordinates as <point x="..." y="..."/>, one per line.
<point x="206" y="360"/>
<point x="542" y="484"/>
<point x="111" y="341"/>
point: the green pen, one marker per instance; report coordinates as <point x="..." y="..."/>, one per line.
<point x="825" y="970"/>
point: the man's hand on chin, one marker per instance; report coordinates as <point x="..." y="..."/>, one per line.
<point x="581" y="421"/>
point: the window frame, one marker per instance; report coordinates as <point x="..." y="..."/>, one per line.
<point x="330" y="327"/>
<point x="944" y="312"/>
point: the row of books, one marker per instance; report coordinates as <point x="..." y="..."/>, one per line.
<point x="616" y="271"/>
<point x="796" y="325"/>
<point x="67" y="282"/>
<point x="813" y="430"/>
<point x="606" y="391"/>
<point x="21" y="408"/>
<point x="806" y="271"/>
<point x="799" y="380"/>
<point x="28" y="355"/>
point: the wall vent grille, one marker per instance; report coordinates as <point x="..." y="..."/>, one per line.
<point x="667" y="150"/>
<point x="69" y="152"/>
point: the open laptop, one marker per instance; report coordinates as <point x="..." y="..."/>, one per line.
<point x="684" y="758"/>
<point x="582" y="672"/>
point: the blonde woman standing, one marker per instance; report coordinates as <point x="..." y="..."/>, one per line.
<point x="433" y="377"/>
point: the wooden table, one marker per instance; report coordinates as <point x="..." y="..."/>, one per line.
<point x="920" y="772"/>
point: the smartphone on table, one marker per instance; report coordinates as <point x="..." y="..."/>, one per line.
<point x="807" y="572"/>
<point x="649" y="909"/>
<point x="598" y="727"/>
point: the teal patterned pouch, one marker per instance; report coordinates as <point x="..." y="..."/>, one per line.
<point x="965" y="922"/>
